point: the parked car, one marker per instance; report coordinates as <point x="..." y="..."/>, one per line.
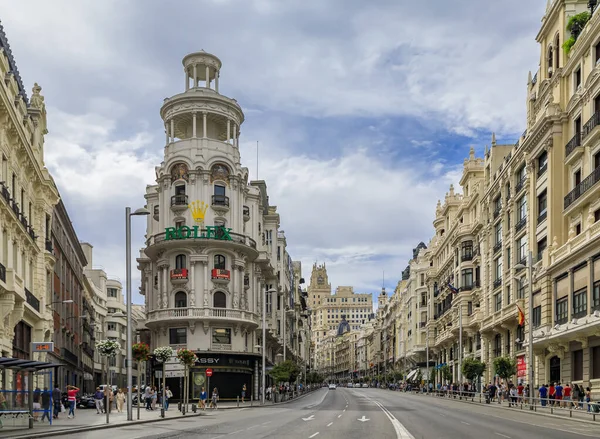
<point x="332" y="386"/>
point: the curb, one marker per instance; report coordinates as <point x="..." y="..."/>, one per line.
<point x="533" y="412"/>
<point x="267" y="404"/>
<point x="72" y="430"/>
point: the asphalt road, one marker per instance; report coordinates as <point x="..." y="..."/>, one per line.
<point x="359" y="414"/>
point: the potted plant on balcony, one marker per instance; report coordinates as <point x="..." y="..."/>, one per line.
<point x="188" y="359"/>
<point x="163" y="354"/>
<point x="575" y="25"/>
<point x="140" y="352"/>
<point x="108" y="349"/>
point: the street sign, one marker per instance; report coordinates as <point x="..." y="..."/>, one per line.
<point x="42" y="347"/>
<point x="175" y="374"/>
<point x="208" y="372"/>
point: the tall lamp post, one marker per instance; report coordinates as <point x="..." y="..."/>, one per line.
<point x="530" y="313"/>
<point x="128" y="215"/>
<point x="264" y="343"/>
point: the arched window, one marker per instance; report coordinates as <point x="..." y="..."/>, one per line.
<point x="219" y="262"/>
<point x="550" y="62"/>
<point x="180" y="300"/>
<point x="180" y="261"/>
<point x="219" y="300"/>
<point x="557" y="56"/>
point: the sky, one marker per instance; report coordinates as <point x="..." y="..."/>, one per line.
<point x="364" y="111"/>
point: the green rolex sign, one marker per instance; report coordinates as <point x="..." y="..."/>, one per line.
<point x="210" y="232"/>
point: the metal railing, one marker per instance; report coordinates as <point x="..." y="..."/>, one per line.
<point x="582" y="187"/>
<point x="498" y="246"/>
<point x="520" y="224"/>
<point x="179" y="200"/>
<point x="589" y="126"/>
<point x="220" y="200"/>
<point x="572" y="144"/>
<point x="32" y="300"/>
<point x="2" y="273"/>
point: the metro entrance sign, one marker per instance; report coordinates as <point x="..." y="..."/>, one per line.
<point x="209" y="372"/>
<point x="220" y="233"/>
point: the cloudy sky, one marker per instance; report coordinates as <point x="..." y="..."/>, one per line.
<point x="364" y="110"/>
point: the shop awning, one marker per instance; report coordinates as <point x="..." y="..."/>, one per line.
<point x="412" y="374"/>
<point x="19" y="364"/>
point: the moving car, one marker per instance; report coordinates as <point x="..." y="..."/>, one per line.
<point x="332" y="386"/>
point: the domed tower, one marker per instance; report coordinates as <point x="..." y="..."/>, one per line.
<point x="200" y="270"/>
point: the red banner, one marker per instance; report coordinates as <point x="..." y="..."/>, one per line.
<point x="521" y="366"/>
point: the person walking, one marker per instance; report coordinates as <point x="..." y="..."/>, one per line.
<point x="203" y="398"/>
<point x="215" y="398"/>
<point x="120" y="400"/>
<point x="99" y="400"/>
<point x="37" y="393"/>
<point x="148" y="398"/>
<point x="168" y="396"/>
<point x="56" y="396"/>
<point x="243" y="392"/>
<point x="46" y="404"/>
<point x="72" y="399"/>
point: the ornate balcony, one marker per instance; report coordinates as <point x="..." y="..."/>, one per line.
<point x="156" y="213"/>
<point x="220" y="203"/>
<point x="582" y="187"/>
<point x="5" y="192"/>
<point x="520" y="185"/>
<point x="246" y="211"/>
<point x="519" y="226"/>
<point x="159" y="316"/>
<point x="2" y="273"/>
<point x="466" y="256"/>
<point x="246" y="282"/>
<point x="573" y="149"/>
<point x="497" y="247"/>
<point x="179" y="276"/>
<point x="179" y="203"/>
<point x="49" y="247"/>
<point x="497" y="282"/>
<point x="32" y="300"/>
<point x="590" y="131"/>
<point x="497" y="211"/>
<point x="220" y="276"/>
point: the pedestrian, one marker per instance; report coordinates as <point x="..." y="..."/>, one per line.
<point x="215" y="398"/>
<point x="46" y="397"/>
<point x="99" y="400"/>
<point x="120" y="400"/>
<point x="243" y="392"/>
<point x="37" y="393"/>
<point x="72" y="399"/>
<point x="56" y="395"/>
<point x="567" y="396"/>
<point x="543" y="394"/>
<point x="148" y="397"/>
<point x="109" y="395"/>
<point x="168" y="396"/>
<point x="203" y="398"/>
<point x="153" y="397"/>
<point x="588" y="399"/>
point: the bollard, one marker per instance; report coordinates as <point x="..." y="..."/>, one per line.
<point x="251" y="402"/>
<point x="194" y="408"/>
<point x="237" y="398"/>
<point x="183" y="409"/>
<point x="179" y="406"/>
<point x="571" y="412"/>
<point x="162" y="412"/>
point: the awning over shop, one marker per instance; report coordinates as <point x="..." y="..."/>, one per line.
<point x="412" y="374"/>
<point x="18" y="364"/>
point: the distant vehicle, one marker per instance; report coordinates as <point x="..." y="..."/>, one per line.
<point x="365" y="385"/>
<point x="350" y="385"/>
<point x="332" y="386"/>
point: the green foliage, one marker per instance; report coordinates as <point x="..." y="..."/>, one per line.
<point x="314" y="378"/>
<point x="286" y="371"/>
<point x="581" y="19"/>
<point x="505" y="367"/>
<point x="472" y="368"/>
<point x="567" y="45"/>
<point x="445" y="371"/>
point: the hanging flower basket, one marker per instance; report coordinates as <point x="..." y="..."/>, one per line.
<point x="163" y="353"/>
<point x="186" y="357"/>
<point x="108" y="348"/>
<point x="140" y="351"/>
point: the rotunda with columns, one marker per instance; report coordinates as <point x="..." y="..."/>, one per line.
<point x="200" y="267"/>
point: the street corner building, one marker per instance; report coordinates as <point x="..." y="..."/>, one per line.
<point x="213" y="243"/>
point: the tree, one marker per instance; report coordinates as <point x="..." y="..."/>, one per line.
<point x="472" y="368"/>
<point x="286" y="371"/>
<point x="446" y="374"/>
<point x="506" y="367"/>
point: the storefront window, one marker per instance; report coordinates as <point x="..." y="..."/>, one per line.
<point x="222" y="335"/>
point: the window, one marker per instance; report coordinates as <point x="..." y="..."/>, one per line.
<point x="177" y="335"/>
<point x="596" y="296"/>
<point x="112" y="292"/>
<point x="219" y="262"/>
<point x="508" y="257"/>
<point x="467" y="278"/>
<point x="219" y="190"/>
<point x="180" y="261"/>
<point x="520" y="336"/>
<point x="497" y="302"/>
<point x="597" y="160"/>
<point x="497" y="345"/>
<point x="521" y="174"/>
<point x="498" y="268"/>
<point x="577" y="178"/>
<point x="179" y="224"/>
<point x="498" y="233"/>
<point x="578" y="365"/>
<point x="542" y="201"/>
<point x="467" y="250"/>
<point x="541" y="247"/>
<point x="537" y="316"/>
<point x="522" y="208"/>
<point x="562" y="310"/>
<point x="521" y="287"/>
<point x="497" y="205"/>
<point x="219" y="300"/>
<point x="279" y="253"/>
<point x="578" y="229"/>
<point x="180" y="300"/>
<point x="111" y="326"/>
<point x="522" y="249"/>
<point x="221" y="335"/>
<point x="507" y="191"/>
<point x="542" y="163"/>
<point x="112" y="310"/>
<point x="577" y="129"/>
<point x="580" y="303"/>
<point x="597" y="53"/>
<point x="595" y="354"/>
<point x="180" y="189"/>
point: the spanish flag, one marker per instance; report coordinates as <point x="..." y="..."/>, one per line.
<point x="521" y="317"/>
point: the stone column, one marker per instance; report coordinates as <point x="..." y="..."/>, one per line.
<point x="194" y="124"/>
<point x="192" y="298"/>
<point x="205" y="285"/>
<point x="195" y="76"/>
<point x="235" y="139"/>
<point x="207" y="77"/>
<point x="234" y="289"/>
<point x="217" y="81"/>
<point x="228" y="131"/>
<point x="187" y="80"/>
<point x="204" y="124"/>
<point x="166" y="134"/>
<point x="165" y="297"/>
<point x="172" y="130"/>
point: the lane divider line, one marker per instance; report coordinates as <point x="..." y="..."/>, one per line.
<point x="339" y="416"/>
<point x="463" y="422"/>
<point x="313" y="435"/>
<point x="401" y="431"/>
<point x="330" y="424"/>
<point x="503" y="435"/>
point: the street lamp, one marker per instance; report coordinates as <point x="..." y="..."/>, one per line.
<point x="264" y="342"/>
<point x="128" y="215"/>
<point x="530" y="312"/>
<point x="60" y="301"/>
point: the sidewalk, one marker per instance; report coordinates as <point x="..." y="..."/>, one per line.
<point x="88" y="419"/>
<point x="554" y="412"/>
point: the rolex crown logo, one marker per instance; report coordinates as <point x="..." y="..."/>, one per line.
<point x="198" y="209"/>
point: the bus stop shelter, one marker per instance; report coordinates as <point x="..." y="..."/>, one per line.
<point x="21" y="401"/>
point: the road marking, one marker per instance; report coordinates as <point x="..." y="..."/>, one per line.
<point x="265" y="423"/>
<point x="313" y="435"/>
<point x="463" y="422"/>
<point x="339" y="416"/>
<point x="344" y="410"/>
<point x="234" y="432"/>
<point x="330" y="424"/>
<point x="254" y="426"/>
<point x="310" y="418"/>
<point x="503" y="435"/>
<point x="363" y="419"/>
<point x="401" y="431"/>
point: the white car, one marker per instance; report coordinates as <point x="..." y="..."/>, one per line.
<point x="332" y="387"/>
